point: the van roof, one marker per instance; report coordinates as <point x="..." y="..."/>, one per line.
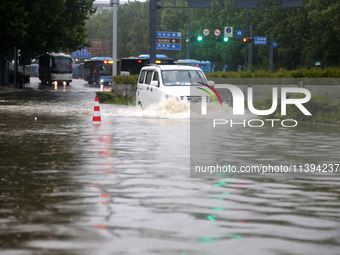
<point x="172" y="67"/>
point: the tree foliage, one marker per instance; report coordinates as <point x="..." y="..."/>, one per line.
<point x="304" y="35"/>
<point x="39" y="26"/>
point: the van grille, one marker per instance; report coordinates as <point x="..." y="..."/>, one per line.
<point x="192" y="98"/>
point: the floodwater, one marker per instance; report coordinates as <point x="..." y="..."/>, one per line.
<point x="125" y="186"/>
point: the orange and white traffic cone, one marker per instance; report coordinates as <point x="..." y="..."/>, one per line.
<point x="96" y="114"/>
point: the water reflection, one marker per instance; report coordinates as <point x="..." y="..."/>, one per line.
<point x="36" y="158"/>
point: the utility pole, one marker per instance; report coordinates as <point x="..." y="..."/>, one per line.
<point x="246" y="32"/>
<point x="114" y="4"/>
<point x="271" y="53"/>
<point x="153" y="20"/>
<point x="187" y="55"/>
<point x="15" y="67"/>
<point x="250" y="50"/>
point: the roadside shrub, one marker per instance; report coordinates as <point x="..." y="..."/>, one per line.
<point x="126" y="79"/>
<point x="106" y="97"/>
<point x="328" y="72"/>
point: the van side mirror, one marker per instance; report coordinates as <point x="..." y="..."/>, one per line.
<point x="154" y="83"/>
<point x="211" y="83"/>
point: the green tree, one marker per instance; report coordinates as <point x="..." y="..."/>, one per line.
<point x="39" y="26"/>
<point x="138" y="29"/>
<point x="133" y="28"/>
<point x="12" y="25"/>
<point x="99" y="25"/>
<point x="324" y="30"/>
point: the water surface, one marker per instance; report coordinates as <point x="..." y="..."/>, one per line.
<point x="124" y="187"/>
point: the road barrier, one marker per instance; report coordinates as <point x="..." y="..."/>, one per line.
<point x="96" y="113"/>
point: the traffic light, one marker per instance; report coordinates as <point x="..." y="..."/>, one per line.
<point x="247" y="40"/>
<point x="225" y="39"/>
<point x="199" y="38"/>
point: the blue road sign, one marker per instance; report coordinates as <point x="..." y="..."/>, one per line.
<point x="275" y="44"/>
<point x="239" y="33"/>
<point x="168" y="40"/>
<point x="260" y="40"/>
<point x="167" y="46"/>
<point x="81" y="53"/>
<point x="160" y="34"/>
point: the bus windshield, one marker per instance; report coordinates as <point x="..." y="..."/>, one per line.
<point x="182" y="78"/>
<point x="61" y="65"/>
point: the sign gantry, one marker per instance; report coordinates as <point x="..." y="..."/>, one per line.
<point x="242" y="4"/>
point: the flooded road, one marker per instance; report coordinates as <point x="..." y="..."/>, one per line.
<point x="124" y="187"/>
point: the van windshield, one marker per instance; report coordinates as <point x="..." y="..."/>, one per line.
<point x="182" y="77"/>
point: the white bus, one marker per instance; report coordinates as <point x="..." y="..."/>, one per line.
<point x="55" y="67"/>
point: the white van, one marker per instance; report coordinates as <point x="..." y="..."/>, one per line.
<point x="161" y="82"/>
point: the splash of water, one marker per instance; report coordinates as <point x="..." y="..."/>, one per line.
<point x="173" y="109"/>
<point x="168" y="109"/>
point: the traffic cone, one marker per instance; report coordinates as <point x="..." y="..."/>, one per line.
<point x="96" y="114"/>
